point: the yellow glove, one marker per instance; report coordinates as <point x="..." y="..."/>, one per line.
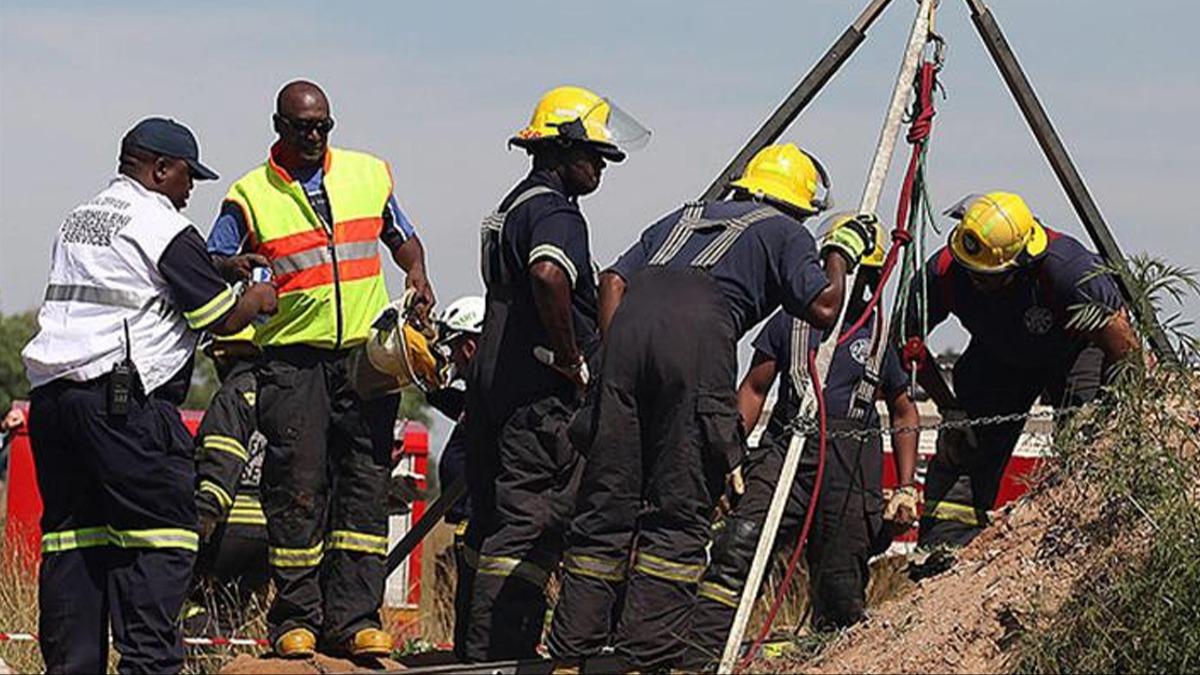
<point x="901" y="506"/>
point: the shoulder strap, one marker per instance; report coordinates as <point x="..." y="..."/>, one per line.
<point x="493" y="269"/>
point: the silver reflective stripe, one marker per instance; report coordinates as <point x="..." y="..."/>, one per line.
<point x="692" y="213"/>
<point x="490" y="231"/>
<point x="302" y="260"/>
<point x="98" y="296"/>
<point x="356" y="250"/>
<point x="734" y="227"/>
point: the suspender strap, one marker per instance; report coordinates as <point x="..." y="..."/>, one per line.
<point x="692" y="221"/>
<point x="494" y="272"/>
<point x="864" y="392"/>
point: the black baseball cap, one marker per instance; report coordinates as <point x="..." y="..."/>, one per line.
<point x="169" y="138"/>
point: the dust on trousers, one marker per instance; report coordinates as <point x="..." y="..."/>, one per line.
<point x="962" y="481"/>
<point x="659" y="432"/>
<point x="324" y="492"/>
<point x="847" y="530"/>
<point x="119" y="529"/>
<point x="523" y="475"/>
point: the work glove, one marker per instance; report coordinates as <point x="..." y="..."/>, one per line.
<point x="735" y="487"/>
<point x="900" y="509"/>
<point x="853" y="240"/>
<point x="955" y="444"/>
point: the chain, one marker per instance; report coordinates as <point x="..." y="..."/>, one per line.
<point x="807" y="426"/>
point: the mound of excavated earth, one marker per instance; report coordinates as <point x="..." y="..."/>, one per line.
<point x="250" y="665"/>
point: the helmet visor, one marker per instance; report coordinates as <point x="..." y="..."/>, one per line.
<point x="606" y="122"/>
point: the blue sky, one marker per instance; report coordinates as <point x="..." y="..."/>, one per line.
<point x="437" y="88"/>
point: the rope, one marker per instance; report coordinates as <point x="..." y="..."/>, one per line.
<point x="794" y="561"/>
<point x="919" y="132"/>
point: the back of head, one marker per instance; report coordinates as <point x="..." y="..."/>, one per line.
<point x="788" y="177"/>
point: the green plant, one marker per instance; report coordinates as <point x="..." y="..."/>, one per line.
<point x="1139" y="604"/>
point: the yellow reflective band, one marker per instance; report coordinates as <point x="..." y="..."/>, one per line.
<point x="250" y="397"/>
<point x="296" y="557"/>
<point x="349" y="540"/>
<point x="226" y="444"/>
<point x="223" y="498"/>
<point x="461" y="529"/>
<point x="212" y="310"/>
<point x="959" y="513"/>
<point x="668" y="569"/>
<point x="718" y="593"/>
<point x="597" y="568"/>
<point x="70" y="540"/>
<point x="246" y="511"/>
<point x="499" y="566"/>
<point x="164" y="537"/>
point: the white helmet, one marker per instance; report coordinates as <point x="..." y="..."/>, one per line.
<point x="461" y="317"/>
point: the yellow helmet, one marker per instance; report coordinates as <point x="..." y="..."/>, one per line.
<point x="996" y="232"/>
<point x="787" y="174"/>
<point x="836" y="220"/>
<point x="578" y="114"/>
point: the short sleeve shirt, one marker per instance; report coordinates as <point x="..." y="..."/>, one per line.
<point x="1038" y="320"/>
<point x="846" y="370"/>
<point x="774" y="262"/>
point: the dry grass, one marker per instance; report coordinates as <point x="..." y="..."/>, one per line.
<point x="18" y="607"/>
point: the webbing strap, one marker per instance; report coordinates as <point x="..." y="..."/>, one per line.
<point x="670" y="570"/>
<point x="597" y="568"/>
<point x="490" y="232"/>
<point x="691" y="220"/>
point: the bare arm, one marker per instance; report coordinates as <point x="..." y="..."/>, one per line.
<point x="903" y="414"/>
<point x="823" y="311"/>
<point x="752" y="393"/>
<point x="612" y="290"/>
<point x="1117" y="339"/>
<point x="258" y="299"/>
<point x="552" y="295"/>
<point x="410" y="257"/>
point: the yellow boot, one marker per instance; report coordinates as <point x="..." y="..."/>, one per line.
<point x="296" y="643"/>
<point x="370" y="642"/>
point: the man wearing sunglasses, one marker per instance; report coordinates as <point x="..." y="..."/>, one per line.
<point x="316" y="214"/>
<point x="1044" y="321"/>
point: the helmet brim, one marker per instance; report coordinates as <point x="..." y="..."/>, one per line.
<point x="608" y="151"/>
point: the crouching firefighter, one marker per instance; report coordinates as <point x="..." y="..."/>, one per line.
<point x="661" y="430"/>
<point x="525" y="382"/>
<point x="1044" y="321"/>
<point x="459" y="328"/>
<point x="848" y="527"/>
<point x="232" y="563"/>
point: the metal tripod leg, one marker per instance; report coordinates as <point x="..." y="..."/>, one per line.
<point x="1056" y="153"/>
<point x="432" y="516"/>
<point x="798" y="100"/>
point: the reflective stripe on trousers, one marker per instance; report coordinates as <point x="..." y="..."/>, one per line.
<point x="959" y="513"/>
<point x="349" y="540"/>
<point x="500" y="566"/>
<point x="718" y="593"/>
<point x="668" y="569"/>
<point x="89" y="537"/>
<point x="597" y="568"/>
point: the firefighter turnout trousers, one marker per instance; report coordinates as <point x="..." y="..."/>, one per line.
<point x="846" y="530"/>
<point x="659" y="432"/>
<point x="964" y="477"/>
<point x="324" y="492"/>
<point x="523" y="476"/>
<point x="119" y="529"/>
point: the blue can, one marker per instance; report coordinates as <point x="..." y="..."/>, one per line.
<point x="261" y="275"/>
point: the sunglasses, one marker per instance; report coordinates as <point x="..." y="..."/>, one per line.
<point x="304" y="127"/>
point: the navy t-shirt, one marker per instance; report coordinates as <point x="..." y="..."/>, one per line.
<point x="1035" y="321"/>
<point x="847" y="368"/>
<point x="774" y="262"/>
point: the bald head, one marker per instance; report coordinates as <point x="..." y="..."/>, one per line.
<point x="303" y="123"/>
<point x="301" y="96"/>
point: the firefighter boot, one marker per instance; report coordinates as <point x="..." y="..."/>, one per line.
<point x="296" y="643"/>
<point x="370" y="642"/>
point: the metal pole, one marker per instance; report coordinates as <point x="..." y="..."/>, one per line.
<point x="425" y="525"/>
<point x="798" y="100"/>
<point x="1060" y="160"/>
<point x="870" y="199"/>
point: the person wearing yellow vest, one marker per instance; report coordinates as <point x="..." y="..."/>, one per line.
<point x="316" y="214"/>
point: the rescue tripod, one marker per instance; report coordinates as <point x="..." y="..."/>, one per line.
<point x="808" y="381"/>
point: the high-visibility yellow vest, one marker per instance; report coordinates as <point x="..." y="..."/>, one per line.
<point x="329" y="275"/>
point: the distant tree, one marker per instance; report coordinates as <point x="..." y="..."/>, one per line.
<point x="15" y="331"/>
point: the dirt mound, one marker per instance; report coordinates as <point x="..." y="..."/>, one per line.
<point x="250" y="665"/>
<point x="967" y="619"/>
